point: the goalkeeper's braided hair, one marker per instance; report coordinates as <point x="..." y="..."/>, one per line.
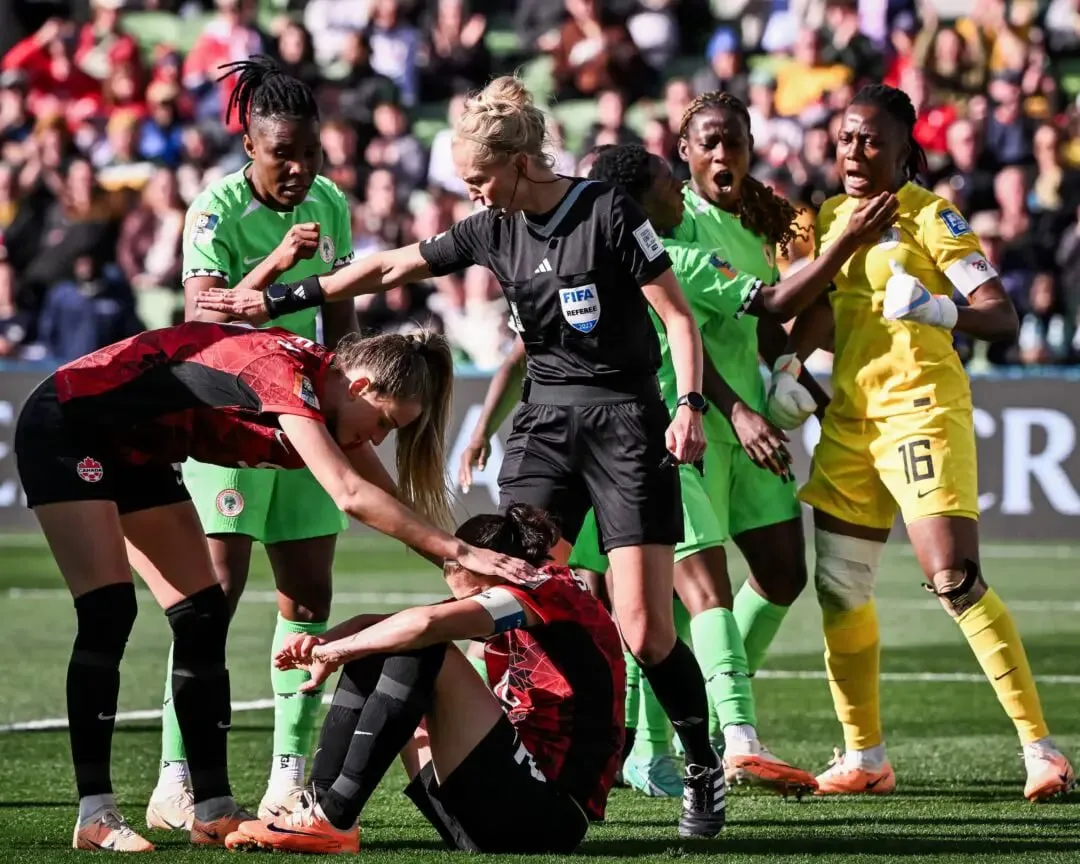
<point x="897" y="105"/>
<point x="761" y="211"/>
<point x="264" y="90"/>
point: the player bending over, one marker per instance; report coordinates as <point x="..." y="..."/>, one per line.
<point x="521" y="771"/>
<point x="98" y="446"/>
<point x="899" y="433"/>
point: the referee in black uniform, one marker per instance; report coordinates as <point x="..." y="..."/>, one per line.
<point x="579" y="264"/>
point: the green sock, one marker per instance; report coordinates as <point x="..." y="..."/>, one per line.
<point x="759" y="621"/>
<point x="172" y="742"/>
<point x="294" y="712"/>
<point x="723" y="664"/>
<point x="653" y="736"/>
<point x="633" y="690"/>
<point x="480" y="665"/>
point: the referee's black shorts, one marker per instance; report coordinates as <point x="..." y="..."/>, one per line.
<point x="574" y="447"/>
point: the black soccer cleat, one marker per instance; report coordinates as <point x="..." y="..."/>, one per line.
<point x="704" y="790"/>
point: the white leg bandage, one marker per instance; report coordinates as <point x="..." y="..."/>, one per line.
<point x="846" y="569"/>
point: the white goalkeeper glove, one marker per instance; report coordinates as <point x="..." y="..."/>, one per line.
<point x="789" y="402"/>
<point x="907" y="299"/>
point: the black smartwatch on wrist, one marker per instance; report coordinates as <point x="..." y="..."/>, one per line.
<point x="283" y="298"/>
<point x="694" y="401"/>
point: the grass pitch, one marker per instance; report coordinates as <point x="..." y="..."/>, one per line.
<point x="960" y="777"/>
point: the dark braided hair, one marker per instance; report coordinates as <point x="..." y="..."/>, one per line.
<point x="626" y="165"/>
<point x="761" y="211"/>
<point x="264" y="89"/>
<point x="897" y="105"/>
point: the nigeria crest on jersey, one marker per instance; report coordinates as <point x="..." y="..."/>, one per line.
<point x="580" y="307"/>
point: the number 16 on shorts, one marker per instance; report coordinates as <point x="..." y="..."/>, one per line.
<point x="917" y="459"/>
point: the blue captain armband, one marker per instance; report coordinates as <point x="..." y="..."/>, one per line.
<point x="503" y="607"/>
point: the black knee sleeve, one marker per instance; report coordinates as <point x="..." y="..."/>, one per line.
<point x="200" y="625"/>
<point x="105" y="617"/>
<point x="958" y="596"/>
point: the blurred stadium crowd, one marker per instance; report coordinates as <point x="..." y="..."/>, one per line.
<point x="111" y="121"/>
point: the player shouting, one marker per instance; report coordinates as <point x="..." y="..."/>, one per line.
<point x="521" y="771"/>
<point x="580" y="266"/>
<point x="98" y="446"/>
<point x="899" y="434"/>
<point x="276" y="216"/>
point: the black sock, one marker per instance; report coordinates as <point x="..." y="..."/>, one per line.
<point x="357" y="682"/>
<point x="200" y="682"/>
<point x="105" y="617"/>
<point x="676" y="680"/>
<point x="389" y="717"/>
<point x="628" y="744"/>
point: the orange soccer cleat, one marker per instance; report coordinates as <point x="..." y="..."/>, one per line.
<point x="844" y="777"/>
<point x="764" y="770"/>
<point x="107" y="831"/>
<point x="1048" y="771"/>
<point x="304" y="829"/>
<point x="214" y="831"/>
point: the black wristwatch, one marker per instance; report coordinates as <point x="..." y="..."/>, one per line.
<point x="694" y="401"/>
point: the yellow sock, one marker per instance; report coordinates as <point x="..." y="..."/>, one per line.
<point x="991" y="633"/>
<point x="852" y="660"/>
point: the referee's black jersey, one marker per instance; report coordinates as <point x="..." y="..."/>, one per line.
<point x="572" y="278"/>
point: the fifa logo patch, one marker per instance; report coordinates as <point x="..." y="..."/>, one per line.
<point x="90" y="470"/>
<point x="203" y="226"/>
<point x="723" y="266"/>
<point x="956" y="223"/>
<point x="326" y="249"/>
<point x="580" y="307"/>
<point x="229" y="502"/>
<point x="305" y="390"/>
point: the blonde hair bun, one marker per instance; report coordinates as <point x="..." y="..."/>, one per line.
<point x="502" y="120"/>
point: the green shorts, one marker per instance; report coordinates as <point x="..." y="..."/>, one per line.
<point x="701" y="529"/>
<point x="744" y="496"/>
<point x="268" y="505"/>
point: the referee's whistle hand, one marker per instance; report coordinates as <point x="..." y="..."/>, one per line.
<point x="685" y="437"/>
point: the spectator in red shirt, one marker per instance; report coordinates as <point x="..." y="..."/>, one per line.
<point x="102" y="45"/>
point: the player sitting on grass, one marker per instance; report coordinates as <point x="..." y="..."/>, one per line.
<point x="545" y="745"/>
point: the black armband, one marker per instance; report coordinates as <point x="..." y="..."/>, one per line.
<point x="283" y="298"/>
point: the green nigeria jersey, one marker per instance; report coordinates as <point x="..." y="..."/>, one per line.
<point x="718" y="264"/>
<point x="227" y="232"/>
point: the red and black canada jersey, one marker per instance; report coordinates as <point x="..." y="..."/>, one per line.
<point x="208" y="391"/>
<point x="563" y="686"/>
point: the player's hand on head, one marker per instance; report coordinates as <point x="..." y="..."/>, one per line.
<point x="242" y="303"/>
<point x="871" y="217"/>
<point x="790" y="404"/>
<point x="685" y="437"/>
<point x="475" y="454"/>
<point x="490" y="563"/>
<point x="300" y="244"/>
<point x="761" y="440"/>
<point x="907" y="299"/>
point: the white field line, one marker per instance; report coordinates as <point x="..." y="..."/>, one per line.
<point x="417" y="598"/>
<point x="51" y="723"/>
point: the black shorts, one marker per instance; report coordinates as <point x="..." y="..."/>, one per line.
<point x="606" y="455"/>
<point x="496" y="802"/>
<point x="61" y="460"/>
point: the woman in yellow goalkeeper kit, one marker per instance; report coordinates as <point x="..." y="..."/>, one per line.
<point x="899" y="434"/>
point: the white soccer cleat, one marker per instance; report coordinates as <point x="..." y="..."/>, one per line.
<point x="107" y="831"/>
<point x="1048" y="771"/>
<point x="280" y="801"/>
<point x="171" y="808"/>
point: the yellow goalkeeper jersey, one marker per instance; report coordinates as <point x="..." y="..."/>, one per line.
<point x="884" y="368"/>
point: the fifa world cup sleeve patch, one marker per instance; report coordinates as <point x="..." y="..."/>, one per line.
<point x="956" y="223"/>
<point x="646" y="238"/>
<point x="203" y="226"/>
<point x="503" y="607"/>
<point x="304" y="390"/>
